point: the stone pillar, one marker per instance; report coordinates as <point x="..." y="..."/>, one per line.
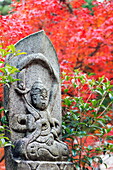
<point x="34" y="108"/>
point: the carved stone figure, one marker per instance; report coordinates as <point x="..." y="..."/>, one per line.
<point x="41" y="142"/>
<point x="34" y="109"/>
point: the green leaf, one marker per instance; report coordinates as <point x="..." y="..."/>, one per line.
<point x="2" y="62"/>
<point x="99" y="91"/>
<point x="89" y="1"/>
<point x="101" y="122"/>
<point x="106" y="165"/>
<point x="100" y="160"/>
<point x="3" y="120"/>
<point x="66" y="78"/>
<point x="66" y="90"/>
<point x="94" y="102"/>
<point x="89" y="148"/>
<point x="74" y="152"/>
<point x="12" y="48"/>
<point x="67" y="101"/>
<point x="1" y="110"/>
<point x="75" y="117"/>
<point x="111" y="96"/>
<point x="85" y="5"/>
<point x="20" y="53"/>
<point x="2" y="52"/>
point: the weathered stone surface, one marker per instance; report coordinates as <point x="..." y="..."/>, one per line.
<point x="26" y="165"/>
<point x="34" y="105"/>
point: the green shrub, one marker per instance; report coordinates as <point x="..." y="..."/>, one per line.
<point x="6" y="79"/>
<point x="87" y="110"/>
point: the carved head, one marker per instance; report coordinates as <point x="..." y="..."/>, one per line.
<point x="39" y="95"/>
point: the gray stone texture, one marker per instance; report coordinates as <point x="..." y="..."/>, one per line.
<point x="34" y="108"/>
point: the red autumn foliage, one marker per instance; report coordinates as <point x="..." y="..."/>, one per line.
<point x="81" y="40"/>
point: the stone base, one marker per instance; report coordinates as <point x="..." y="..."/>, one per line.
<point x="36" y="165"/>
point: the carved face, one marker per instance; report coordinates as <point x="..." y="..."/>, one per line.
<point x="39" y="96"/>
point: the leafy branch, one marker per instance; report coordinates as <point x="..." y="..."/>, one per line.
<point x="87" y="117"/>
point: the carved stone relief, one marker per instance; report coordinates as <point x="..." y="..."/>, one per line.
<point x="35" y="109"/>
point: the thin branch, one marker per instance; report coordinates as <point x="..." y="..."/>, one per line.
<point x="101" y="103"/>
<point x="96" y="49"/>
<point x="3" y="157"/>
<point x="105" y="109"/>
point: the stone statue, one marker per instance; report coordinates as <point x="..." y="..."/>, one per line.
<point x="34" y="109"/>
<point x="42" y="131"/>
